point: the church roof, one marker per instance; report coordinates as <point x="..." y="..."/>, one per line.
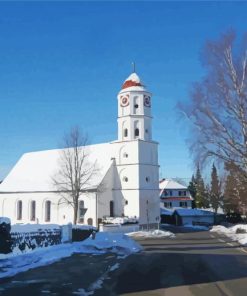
<point x="34" y="171"/>
<point x="133" y="82"/>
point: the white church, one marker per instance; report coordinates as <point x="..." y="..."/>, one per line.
<point x="128" y="171"/>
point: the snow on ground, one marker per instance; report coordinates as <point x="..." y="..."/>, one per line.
<point x="151" y="234"/>
<point x="232" y="232"/>
<point x="11" y="264"/>
<point x="36" y="227"/>
<point x="4" y="220"/>
<point x="25" y="228"/>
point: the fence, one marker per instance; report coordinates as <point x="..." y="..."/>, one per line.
<point x="37" y="239"/>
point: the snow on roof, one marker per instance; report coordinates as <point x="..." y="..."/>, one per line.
<point x="192" y="212"/>
<point x="34" y="170"/>
<point x="165" y="211"/>
<point x="133" y="83"/>
<point x="171" y="184"/>
<point x="133" y="77"/>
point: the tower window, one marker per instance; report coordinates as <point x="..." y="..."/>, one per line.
<point x="136" y="106"/>
<point x="137" y="132"/>
<point x="125" y="179"/>
<point x="147" y="179"/>
<point x="125" y="155"/>
<point x="126" y="132"/>
<point x="146" y="131"/>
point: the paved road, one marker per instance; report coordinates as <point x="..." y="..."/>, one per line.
<point x="194" y="263"/>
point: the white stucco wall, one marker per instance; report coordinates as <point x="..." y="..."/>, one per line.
<point x="176" y="203"/>
<point x="61" y="212"/>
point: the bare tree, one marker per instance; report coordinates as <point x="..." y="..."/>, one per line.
<point x="235" y="190"/>
<point x="218" y="107"/>
<point x="75" y="169"/>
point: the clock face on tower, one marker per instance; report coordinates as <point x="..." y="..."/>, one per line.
<point x="147" y="101"/>
<point x="124" y="101"/>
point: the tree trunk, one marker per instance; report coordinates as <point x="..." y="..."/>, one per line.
<point x="75" y="213"/>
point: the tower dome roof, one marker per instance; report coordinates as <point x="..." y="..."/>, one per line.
<point x="132" y="81"/>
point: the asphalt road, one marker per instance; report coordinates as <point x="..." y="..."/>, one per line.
<point x="193" y="263"/>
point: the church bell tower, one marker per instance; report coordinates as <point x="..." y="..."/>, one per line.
<point x="134" y="111"/>
<point x="136" y="190"/>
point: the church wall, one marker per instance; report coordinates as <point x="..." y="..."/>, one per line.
<point x="89" y="199"/>
<point x="149" y="207"/>
<point x="131" y="207"/>
<point x="105" y="194"/>
<point x="8" y="204"/>
<point x="61" y="212"/>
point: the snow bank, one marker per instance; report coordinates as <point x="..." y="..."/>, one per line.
<point x="4" y="220"/>
<point x="25" y="228"/>
<point x="239" y="226"/>
<point x="232" y="232"/>
<point x="152" y="234"/>
<point x="104" y="242"/>
<point x="221" y="229"/>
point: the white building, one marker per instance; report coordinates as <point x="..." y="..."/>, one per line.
<point x="128" y="173"/>
<point x="174" y="195"/>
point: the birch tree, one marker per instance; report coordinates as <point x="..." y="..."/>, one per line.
<point x="218" y="104"/>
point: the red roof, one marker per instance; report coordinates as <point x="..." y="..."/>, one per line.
<point x="129" y="83"/>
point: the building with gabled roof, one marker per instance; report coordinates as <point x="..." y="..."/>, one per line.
<point x="174" y="194"/>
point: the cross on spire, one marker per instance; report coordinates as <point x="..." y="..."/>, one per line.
<point x="134" y="67"/>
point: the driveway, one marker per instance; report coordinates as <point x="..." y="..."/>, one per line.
<point x="193" y="263"/>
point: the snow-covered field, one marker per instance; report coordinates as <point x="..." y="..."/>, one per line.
<point x="232" y="232"/>
<point x="11" y="264"/>
<point x="152" y="234"/>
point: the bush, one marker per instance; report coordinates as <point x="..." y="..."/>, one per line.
<point x="80" y="234"/>
<point x="5" y="238"/>
<point x="233" y="218"/>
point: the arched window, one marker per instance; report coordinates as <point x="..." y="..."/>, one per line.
<point x="125" y="132"/>
<point x="111" y="209"/>
<point x="48" y="211"/>
<point x="33" y="210"/>
<point x="137" y="132"/>
<point x="19" y="210"/>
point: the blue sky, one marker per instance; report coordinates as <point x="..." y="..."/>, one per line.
<point x="63" y="63"/>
